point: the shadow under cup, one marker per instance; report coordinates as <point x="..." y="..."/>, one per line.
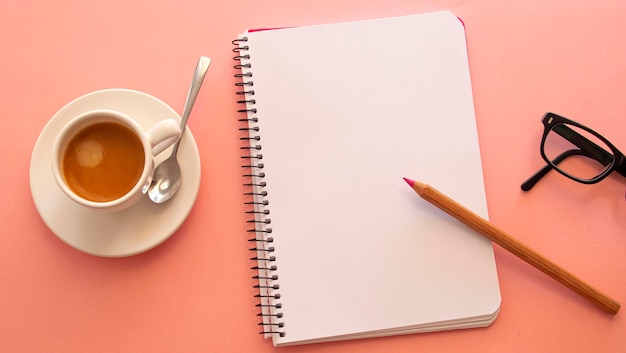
<point x="102" y="159"/>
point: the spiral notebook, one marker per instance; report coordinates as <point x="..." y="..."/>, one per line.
<point x="332" y="118"/>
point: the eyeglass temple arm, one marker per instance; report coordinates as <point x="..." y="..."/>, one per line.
<point x="530" y="182"/>
<point x="587" y="148"/>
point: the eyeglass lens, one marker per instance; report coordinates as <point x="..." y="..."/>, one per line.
<point x="577" y="152"/>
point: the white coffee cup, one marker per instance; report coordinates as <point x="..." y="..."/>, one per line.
<point x="104" y="160"/>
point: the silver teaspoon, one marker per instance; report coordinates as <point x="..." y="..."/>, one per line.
<point x="166" y="178"/>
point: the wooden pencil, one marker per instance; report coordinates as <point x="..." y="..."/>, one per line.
<point x="514" y="246"/>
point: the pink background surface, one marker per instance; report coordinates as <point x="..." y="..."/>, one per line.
<point x="194" y="293"/>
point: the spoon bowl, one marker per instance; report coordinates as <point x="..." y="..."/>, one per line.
<point x="166" y="181"/>
<point x="166" y="178"/>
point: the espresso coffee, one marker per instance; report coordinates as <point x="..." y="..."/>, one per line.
<point x="103" y="161"/>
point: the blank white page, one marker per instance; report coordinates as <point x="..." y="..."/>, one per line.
<point x="345" y="112"/>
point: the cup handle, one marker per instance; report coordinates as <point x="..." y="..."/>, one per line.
<point x="163" y="134"/>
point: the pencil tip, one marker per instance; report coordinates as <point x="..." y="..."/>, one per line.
<point x="409" y="181"/>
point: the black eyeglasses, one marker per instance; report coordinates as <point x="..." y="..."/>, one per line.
<point x="576" y="151"/>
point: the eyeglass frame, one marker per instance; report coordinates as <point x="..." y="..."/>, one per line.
<point x="551" y="122"/>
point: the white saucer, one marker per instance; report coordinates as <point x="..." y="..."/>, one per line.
<point x="136" y="229"/>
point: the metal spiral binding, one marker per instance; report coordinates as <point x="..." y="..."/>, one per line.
<point x="258" y="206"/>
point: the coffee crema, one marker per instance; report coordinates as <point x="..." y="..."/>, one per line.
<point x="103" y="161"/>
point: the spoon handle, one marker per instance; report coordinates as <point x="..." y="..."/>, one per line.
<point x="196" y="82"/>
